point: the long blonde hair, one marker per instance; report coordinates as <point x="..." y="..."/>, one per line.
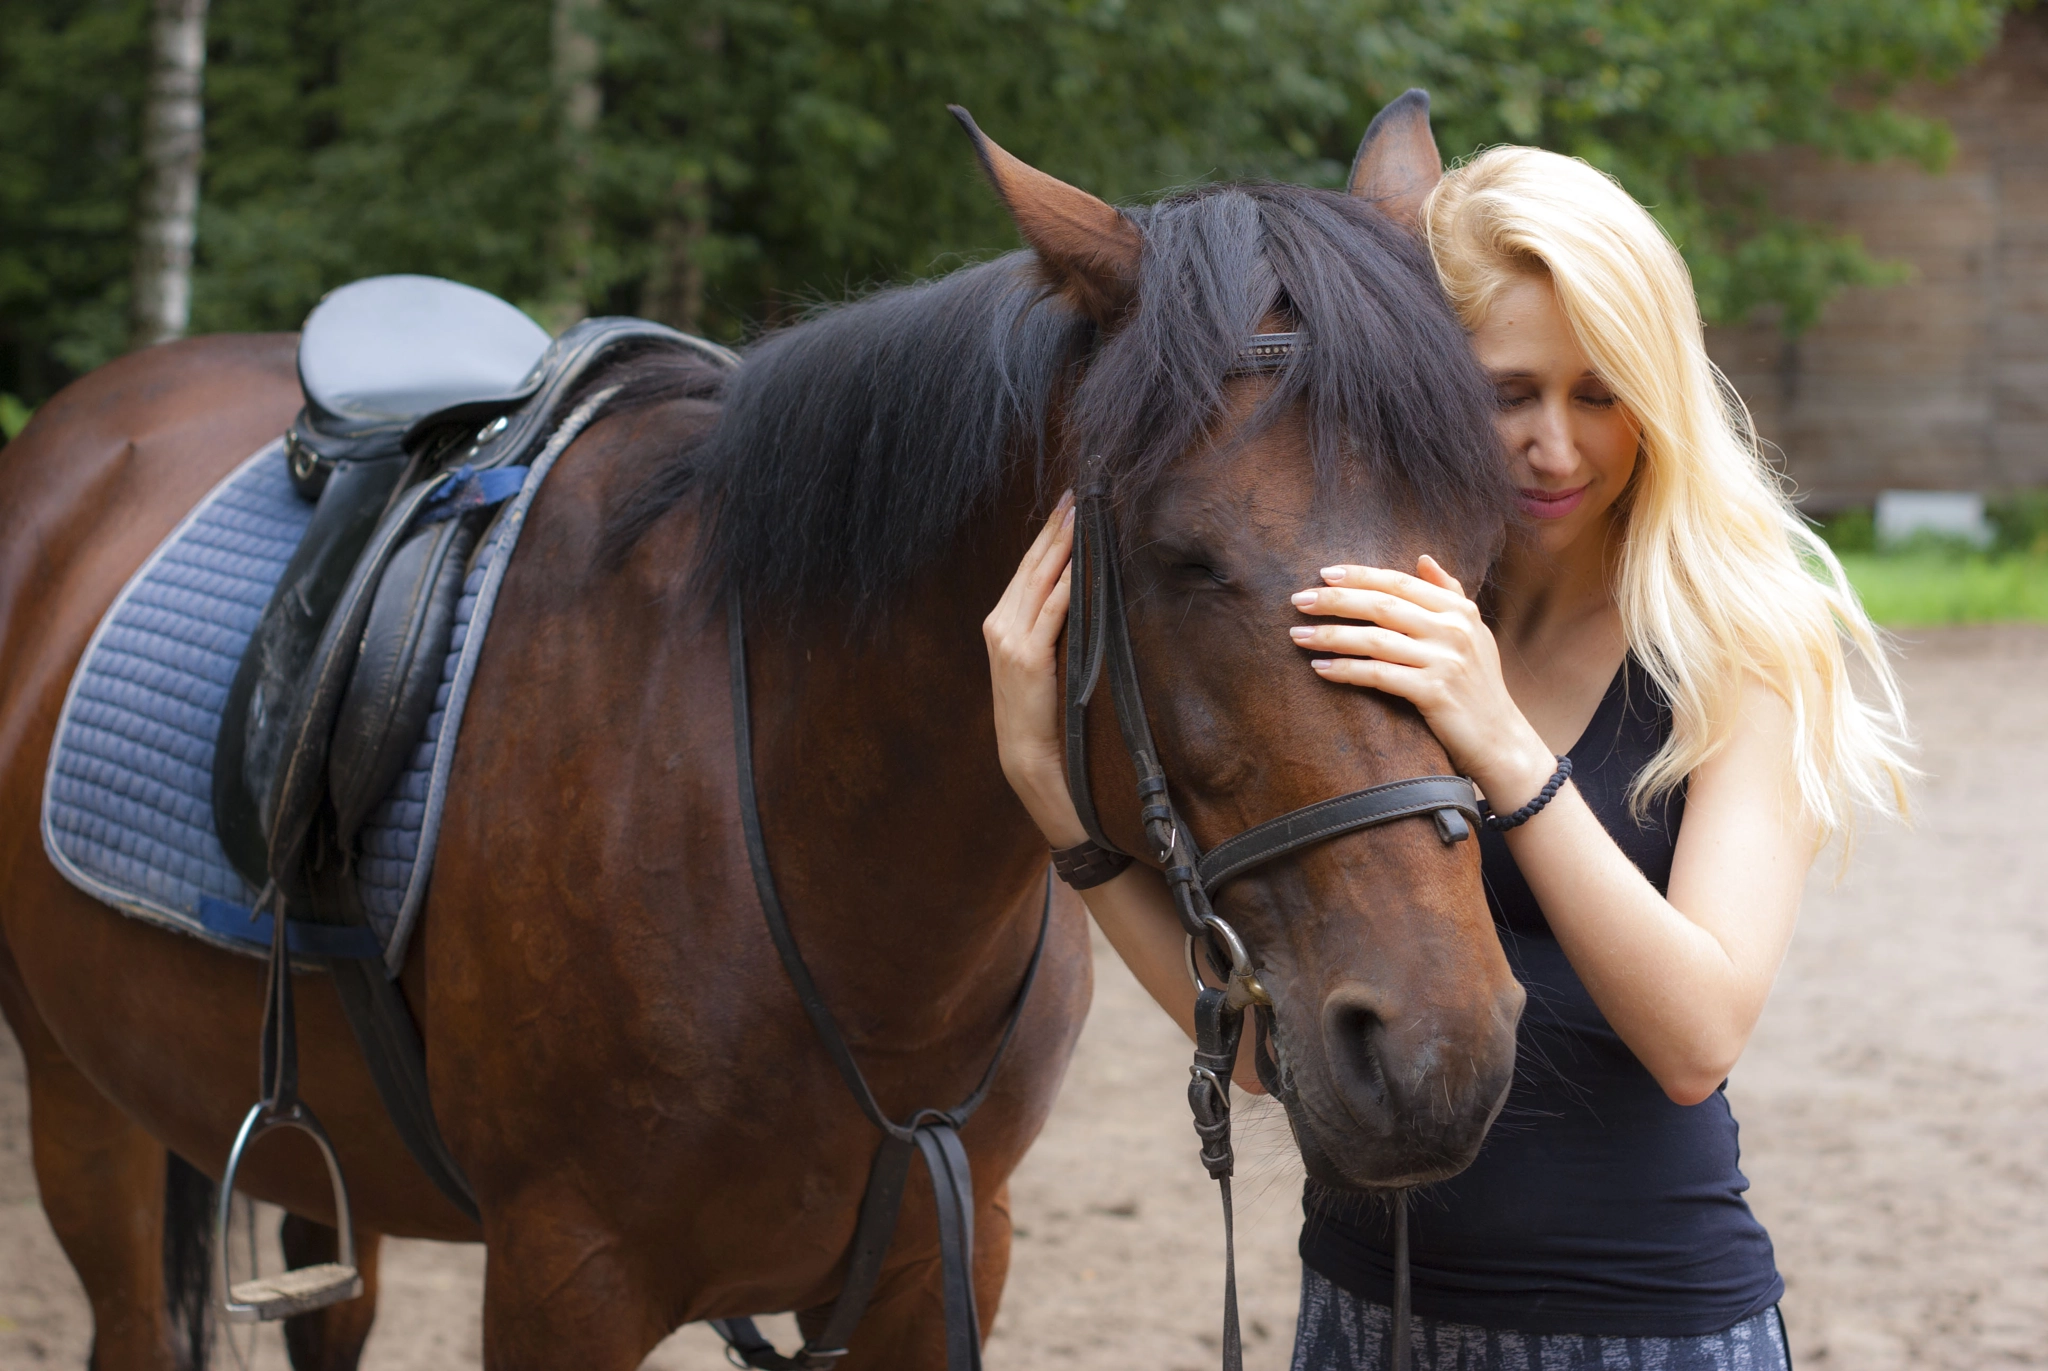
<point x="1718" y="575"/>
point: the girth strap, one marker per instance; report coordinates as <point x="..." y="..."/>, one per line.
<point x="933" y="1133"/>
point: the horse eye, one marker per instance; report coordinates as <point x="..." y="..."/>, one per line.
<point x="1199" y="571"/>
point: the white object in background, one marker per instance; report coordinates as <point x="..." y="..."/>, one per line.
<point x="1945" y="513"/>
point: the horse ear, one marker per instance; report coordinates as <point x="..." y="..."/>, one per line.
<point x="1397" y="164"/>
<point x="1089" y="249"/>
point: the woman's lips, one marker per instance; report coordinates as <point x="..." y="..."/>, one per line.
<point x="1549" y="504"/>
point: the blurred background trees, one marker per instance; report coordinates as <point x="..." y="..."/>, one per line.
<point x="717" y="164"/>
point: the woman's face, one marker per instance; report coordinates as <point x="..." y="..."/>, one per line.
<point x="1571" y="444"/>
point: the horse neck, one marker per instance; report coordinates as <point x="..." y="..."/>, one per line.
<point x="905" y="862"/>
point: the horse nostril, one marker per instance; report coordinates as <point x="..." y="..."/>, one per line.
<point x="1352" y="1031"/>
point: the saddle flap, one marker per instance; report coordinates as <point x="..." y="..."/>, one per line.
<point x="256" y="721"/>
<point x="380" y="353"/>
<point x="397" y="671"/>
<point x="298" y="785"/>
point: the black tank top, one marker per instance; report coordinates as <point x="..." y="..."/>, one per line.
<point x="1596" y="1205"/>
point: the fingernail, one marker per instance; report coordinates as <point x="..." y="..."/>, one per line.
<point x="1333" y="573"/>
<point x="1305" y="598"/>
<point x="1322" y="664"/>
<point x="1301" y="635"/>
<point x="1067" y="519"/>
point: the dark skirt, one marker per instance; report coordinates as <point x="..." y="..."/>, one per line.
<point x="1339" y="1331"/>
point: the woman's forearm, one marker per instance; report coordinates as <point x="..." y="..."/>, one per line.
<point x="1665" y="984"/>
<point x="1683" y="979"/>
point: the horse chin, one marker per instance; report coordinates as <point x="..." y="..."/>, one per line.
<point x="1348" y="1157"/>
<point x="1367" y="1165"/>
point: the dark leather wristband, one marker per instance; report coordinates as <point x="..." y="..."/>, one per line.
<point x="1085" y="865"/>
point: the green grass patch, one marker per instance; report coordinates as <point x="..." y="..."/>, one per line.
<point x="1918" y="587"/>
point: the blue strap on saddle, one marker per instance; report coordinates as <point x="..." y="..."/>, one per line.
<point x="226" y="919"/>
<point x="466" y="488"/>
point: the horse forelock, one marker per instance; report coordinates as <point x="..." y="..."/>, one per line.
<point x="854" y="445"/>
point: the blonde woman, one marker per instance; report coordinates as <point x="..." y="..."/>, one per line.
<point x="1668" y="623"/>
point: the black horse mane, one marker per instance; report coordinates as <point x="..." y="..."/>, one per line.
<point x="854" y="445"/>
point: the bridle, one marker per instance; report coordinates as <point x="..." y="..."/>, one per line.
<point x="1099" y="646"/>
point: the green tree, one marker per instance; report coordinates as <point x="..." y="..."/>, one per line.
<point x="72" y="78"/>
<point x="751" y="155"/>
<point x="1668" y="95"/>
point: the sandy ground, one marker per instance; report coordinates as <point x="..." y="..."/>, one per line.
<point x="1894" y="1101"/>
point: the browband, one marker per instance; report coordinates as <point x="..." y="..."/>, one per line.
<point x="1270" y="351"/>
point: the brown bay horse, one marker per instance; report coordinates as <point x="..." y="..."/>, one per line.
<point x="617" y="1058"/>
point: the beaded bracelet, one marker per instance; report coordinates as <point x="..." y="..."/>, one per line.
<point x="1530" y="810"/>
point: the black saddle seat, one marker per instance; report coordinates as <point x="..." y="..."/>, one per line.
<point x="378" y="356"/>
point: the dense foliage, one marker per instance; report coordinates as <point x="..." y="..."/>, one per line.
<point x="752" y="154"/>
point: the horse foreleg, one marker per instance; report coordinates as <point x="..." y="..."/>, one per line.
<point x="905" y="1326"/>
<point x="559" y="1290"/>
<point x="329" y="1339"/>
<point x="103" y="1182"/>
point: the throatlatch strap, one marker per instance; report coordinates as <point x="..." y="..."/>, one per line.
<point x="933" y="1133"/>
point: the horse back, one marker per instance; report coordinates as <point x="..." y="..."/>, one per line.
<point x="89" y="489"/>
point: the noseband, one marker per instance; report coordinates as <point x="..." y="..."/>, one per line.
<point x="1099" y="645"/>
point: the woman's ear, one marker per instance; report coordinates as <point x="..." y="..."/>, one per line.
<point x="1090" y="252"/>
<point x="1397" y="164"/>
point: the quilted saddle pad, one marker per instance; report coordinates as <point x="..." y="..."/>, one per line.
<point x="128" y="799"/>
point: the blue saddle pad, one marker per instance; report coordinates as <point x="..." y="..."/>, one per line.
<point x="128" y="799"/>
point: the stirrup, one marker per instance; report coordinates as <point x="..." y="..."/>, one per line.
<point x="263" y="1299"/>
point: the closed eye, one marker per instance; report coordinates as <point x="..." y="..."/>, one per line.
<point x="1191" y="568"/>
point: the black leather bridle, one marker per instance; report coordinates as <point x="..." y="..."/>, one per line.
<point x="1099" y="647"/>
<point x="932" y="1133"/>
<point x="1098" y="644"/>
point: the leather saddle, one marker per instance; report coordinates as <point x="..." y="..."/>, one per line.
<point x="422" y="399"/>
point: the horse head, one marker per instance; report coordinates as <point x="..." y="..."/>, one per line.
<point x="1392" y="1024"/>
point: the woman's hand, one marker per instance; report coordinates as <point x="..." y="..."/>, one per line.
<point x="1421" y="638"/>
<point x="1023" y="633"/>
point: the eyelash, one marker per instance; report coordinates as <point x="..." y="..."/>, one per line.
<point x="1597" y="401"/>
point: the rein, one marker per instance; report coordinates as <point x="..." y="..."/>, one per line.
<point x="1099" y="646"/>
<point x="935" y="1133"/>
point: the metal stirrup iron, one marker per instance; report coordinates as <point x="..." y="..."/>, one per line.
<point x="262" y="1299"/>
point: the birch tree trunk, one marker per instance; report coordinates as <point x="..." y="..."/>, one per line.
<point x="579" y="100"/>
<point x="172" y="140"/>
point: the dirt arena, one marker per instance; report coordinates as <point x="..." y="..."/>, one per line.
<point x="1894" y="1101"/>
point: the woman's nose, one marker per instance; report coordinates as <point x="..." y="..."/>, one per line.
<point x="1551" y="451"/>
